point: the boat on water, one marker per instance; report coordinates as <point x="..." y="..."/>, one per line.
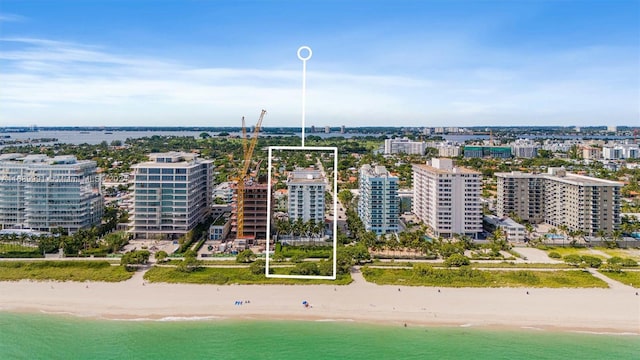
<point x="108" y="132"/>
<point x="84" y="132"/>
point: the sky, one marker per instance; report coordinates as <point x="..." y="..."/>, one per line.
<point x="375" y="63"/>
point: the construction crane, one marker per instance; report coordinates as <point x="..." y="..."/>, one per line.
<point x="243" y="176"/>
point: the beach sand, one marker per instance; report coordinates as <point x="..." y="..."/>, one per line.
<point x="615" y="310"/>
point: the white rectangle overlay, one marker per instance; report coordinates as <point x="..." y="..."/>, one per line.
<point x="335" y="210"/>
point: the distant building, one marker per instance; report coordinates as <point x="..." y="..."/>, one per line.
<point x="447" y="198"/>
<point x="612" y="153"/>
<point x="446" y="149"/>
<point x="499" y="152"/>
<point x="620" y="151"/>
<point x="172" y="194"/>
<point x="327" y="129"/>
<point x="591" y="153"/>
<point x="378" y="202"/>
<point x="342" y="129"/>
<point x="612" y="128"/>
<point x="525" y="148"/>
<point x="406" y="146"/>
<point x="576" y="201"/>
<point x="306" y="189"/>
<point x="42" y="193"/>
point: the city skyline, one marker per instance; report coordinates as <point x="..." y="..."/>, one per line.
<point x="408" y="63"/>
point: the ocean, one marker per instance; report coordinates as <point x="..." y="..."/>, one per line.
<point x="47" y="336"/>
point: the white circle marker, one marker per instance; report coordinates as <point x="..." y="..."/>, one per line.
<point x="300" y="53"/>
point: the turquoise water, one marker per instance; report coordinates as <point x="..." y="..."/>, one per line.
<point x="34" y="336"/>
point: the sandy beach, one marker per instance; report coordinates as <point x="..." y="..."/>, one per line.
<point x="613" y="310"/>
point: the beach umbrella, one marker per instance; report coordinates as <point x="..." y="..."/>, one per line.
<point x="305" y="302"/>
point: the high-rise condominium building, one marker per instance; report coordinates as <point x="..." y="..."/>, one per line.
<point x="447" y="198"/>
<point x="397" y="146"/>
<point x="306" y="188"/>
<point x="42" y="193"/>
<point x="522" y="195"/>
<point x="581" y="203"/>
<point x="378" y="204"/>
<point x="172" y="194"/>
<point x="525" y="148"/>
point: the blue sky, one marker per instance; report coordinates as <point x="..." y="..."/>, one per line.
<point x="375" y="63"/>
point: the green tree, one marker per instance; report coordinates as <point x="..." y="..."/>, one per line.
<point x="161" y="256"/>
<point x="190" y="262"/>
<point x="245" y="256"/>
<point x="591" y="261"/>
<point x="457" y="260"/>
<point x="572" y="259"/>
<point x="306" y="268"/>
<point x="258" y="267"/>
<point x="132" y="258"/>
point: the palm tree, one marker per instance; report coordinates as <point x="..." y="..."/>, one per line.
<point x="529" y="228"/>
<point x="616" y="236"/>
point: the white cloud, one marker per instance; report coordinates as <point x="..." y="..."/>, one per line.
<point x="60" y="83"/>
<point x="6" y="17"/>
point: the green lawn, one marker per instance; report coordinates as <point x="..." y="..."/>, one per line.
<point x="62" y="271"/>
<point x="18" y="251"/>
<point x="631" y="278"/>
<point x="227" y="276"/>
<point x="623" y="253"/>
<point x="563" y="251"/>
<point x="513" y="265"/>
<point x="467" y="277"/>
<point x="481" y="265"/>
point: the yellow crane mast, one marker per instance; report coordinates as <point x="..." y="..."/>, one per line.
<point x="248" y="147"/>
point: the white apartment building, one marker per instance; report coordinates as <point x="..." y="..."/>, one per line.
<point x="620" y="151"/>
<point x="448" y="149"/>
<point x="525" y="148"/>
<point x="172" y="194"/>
<point x="397" y="146"/>
<point x="378" y="202"/>
<point x="580" y="202"/>
<point x="447" y="198"/>
<point x="513" y="231"/>
<point x="612" y="153"/>
<point x="306" y="188"/>
<point x="223" y="191"/>
<point x="42" y="193"/>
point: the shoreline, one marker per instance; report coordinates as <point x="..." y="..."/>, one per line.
<point x="607" y="311"/>
<point x="266" y="318"/>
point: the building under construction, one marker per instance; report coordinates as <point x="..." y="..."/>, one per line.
<point x="249" y="213"/>
<point x="255" y="211"/>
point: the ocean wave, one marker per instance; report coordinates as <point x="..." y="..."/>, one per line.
<point x="168" y="318"/>
<point x="605" y="333"/>
<point x="69" y="313"/>
<point x="532" y="328"/>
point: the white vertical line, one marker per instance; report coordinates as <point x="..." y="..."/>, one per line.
<point x="266" y="269"/>
<point x="335" y="213"/>
<point x="304" y="84"/>
<point x="304" y="97"/>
